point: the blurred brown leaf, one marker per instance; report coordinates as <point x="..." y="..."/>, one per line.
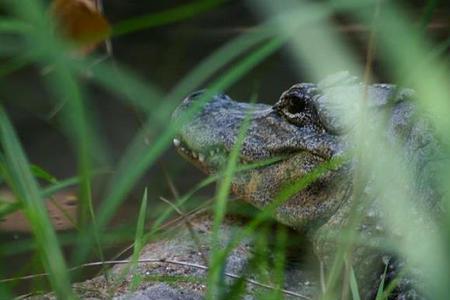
<point x="81" y="22"/>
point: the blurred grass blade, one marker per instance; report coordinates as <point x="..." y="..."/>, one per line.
<point x="6" y="207"/>
<point x="380" y="290"/>
<point x="176" y="14"/>
<point x="40" y="173"/>
<point x="120" y="81"/>
<point x="27" y="191"/>
<point x="139" y="241"/>
<point x="13" y="26"/>
<point x="62" y="184"/>
<point x="354" y="285"/>
<point x="220" y="58"/>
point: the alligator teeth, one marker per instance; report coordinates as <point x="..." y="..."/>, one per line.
<point x="176" y="142"/>
<point x="201" y="157"/>
<point x="194" y="155"/>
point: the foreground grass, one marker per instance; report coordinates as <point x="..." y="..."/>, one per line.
<point x="322" y="50"/>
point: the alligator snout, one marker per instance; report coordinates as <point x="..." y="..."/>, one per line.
<point x="210" y="128"/>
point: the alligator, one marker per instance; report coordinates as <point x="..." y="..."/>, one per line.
<point x="309" y="126"/>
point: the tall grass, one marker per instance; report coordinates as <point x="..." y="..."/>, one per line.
<point x="315" y="48"/>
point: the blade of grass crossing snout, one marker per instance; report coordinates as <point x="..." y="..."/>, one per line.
<point x="176" y="14"/>
<point x="217" y="260"/>
<point x="138" y="243"/>
<point x="26" y="189"/>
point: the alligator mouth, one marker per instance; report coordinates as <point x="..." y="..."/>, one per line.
<point x="261" y="180"/>
<point x="209" y="159"/>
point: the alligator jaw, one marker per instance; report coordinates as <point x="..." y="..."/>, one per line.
<point x="206" y="160"/>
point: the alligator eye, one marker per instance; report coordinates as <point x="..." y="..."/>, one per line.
<point x="296" y="105"/>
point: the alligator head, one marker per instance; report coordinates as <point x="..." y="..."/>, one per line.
<point x="304" y="129"/>
<point x="300" y="130"/>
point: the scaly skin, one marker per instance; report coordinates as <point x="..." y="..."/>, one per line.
<point x="307" y="130"/>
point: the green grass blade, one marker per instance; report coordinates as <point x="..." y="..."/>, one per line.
<point x="120" y="81"/>
<point x="26" y="189"/>
<point x="354" y="285"/>
<point x="139" y="241"/>
<point x="40" y="173"/>
<point x="6" y="207"/>
<point x="380" y="290"/>
<point x="176" y="14"/>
